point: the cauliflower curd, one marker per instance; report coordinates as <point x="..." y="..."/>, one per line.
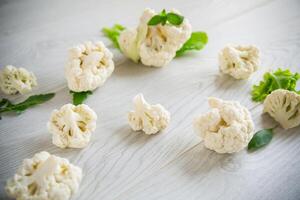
<point x="44" y="177"/>
<point x="148" y="118"/>
<point x="72" y="126"/>
<point x="154" y="45"/>
<point x="239" y="61"/>
<point x="88" y="67"/>
<point x="16" y="80"/>
<point x="284" y="107"/>
<point x="227" y="128"/>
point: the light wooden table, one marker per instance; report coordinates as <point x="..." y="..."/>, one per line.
<point x="122" y="164"/>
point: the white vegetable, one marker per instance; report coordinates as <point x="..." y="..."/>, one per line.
<point x="89" y="65"/>
<point x="284" y="107"/>
<point x="44" y="177"/>
<point x="16" y="80"/>
<point x="148" y="118"/>
<point x="128" y="44"/>
<point x="72" y="126"/>
<point x="154" y="45"/>
<point x="239" y="61"/>
<point x="227" y="128"/>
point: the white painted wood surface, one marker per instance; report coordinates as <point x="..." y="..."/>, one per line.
<point x="122" y="164"/>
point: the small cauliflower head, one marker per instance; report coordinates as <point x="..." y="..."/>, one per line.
<point x="16" y="80"/>
<point x="72" y="126"/>
<point x="154" y="45"/>
<point x="284" y="107"/>
<point x="148" y="118"/>
<point x="239" y="61"/>
<point x="227" y="128"/>
<point x="88" y="67"/>
<point x="44" y="177"/>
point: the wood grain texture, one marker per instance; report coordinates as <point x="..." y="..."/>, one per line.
<point x="122" y="164"/>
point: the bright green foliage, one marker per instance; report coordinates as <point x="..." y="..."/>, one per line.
<point x="260" y="139"/>
<point x="280" y="79"/>
<point x="7" y="106"/>
<point x="164" y="17"/>
<point x="197" y="41"/>
<point x="80" y="97"/>
<point x="113" y="33"/>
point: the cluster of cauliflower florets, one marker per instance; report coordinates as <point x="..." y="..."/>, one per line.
<point x="72" y="126"/>
<point x="89" y="66"/>
<point x="148" y="118"/>
<point x="227" y="128"/>
<point x="154" y="45"/>
<point x="284" y="107"/>
<point x="44" y="177"/>
<point x="239" y="61"/>
<point x="16" y="80"/>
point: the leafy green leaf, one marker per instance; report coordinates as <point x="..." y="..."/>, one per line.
<point x="29" y="102"/>
<point x="163" y="12"/>
<point x="260" y="139"/>
<point x="4" y="103"/>
<point x="163" y="17"/>
<point x="174" y="18"/>
<point x="80" y="97"/>
<point x="114" y="33"/>
<point x="280" y="79"/>
<point x="156" y="19"/>
<point x="197" y="41"/>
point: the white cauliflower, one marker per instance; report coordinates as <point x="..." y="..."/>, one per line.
<point x="227" y="128"/>
<point x="44" y="177"/>
<point x="72" y="126"/>
<point x="88" y="67"/>
<point x="154" y="45"/>
<point x="16" y="80"/>
<point x="239" y="61"/>
<point x="284" y="107"/>
<point x="149" y="118"/>
<point x="128" y="44"/>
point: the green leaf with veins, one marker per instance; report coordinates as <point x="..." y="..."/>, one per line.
<point x="80" y="97"/>
<point x="7" y="106"/>
<point x="163" y="17"/>
<point x="280" y="79"/>
<point x="260" y="139"/>
<point x="197" y="41"/>
<point x="113" y="33"/>
<point x="156" y="19"/>
<point x="174" y="18"/>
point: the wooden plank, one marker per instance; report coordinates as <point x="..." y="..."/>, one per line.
<point x="120" y="163"/>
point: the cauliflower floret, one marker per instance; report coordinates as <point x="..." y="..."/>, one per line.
<point x="89" y="65"/>
<point x="154" y="45"/>
<point x="227" y="128"/>
<point x="239" y="61"/>
<point x="149" y="118"/>
<point x="44" y="177"/>
<point x="284" y="107"/>
<point x="72" y="126"/>
<point x="16" y="80"/>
